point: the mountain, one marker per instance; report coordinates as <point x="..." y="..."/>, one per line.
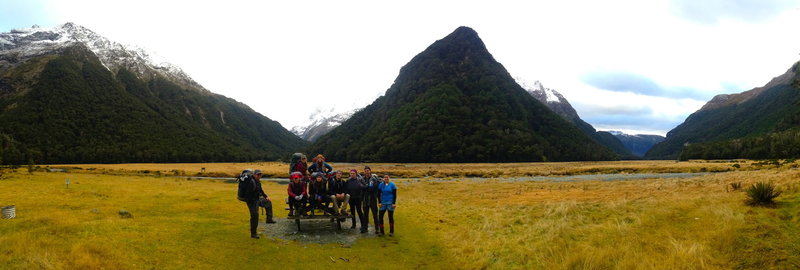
<point x="69" y="95"/>
<point x="320" y="123"/>
<point x="558" y="104"/>
<point x="758" y="123"/>
<point x="638" y="144"/>
<point x="454" y="102"/>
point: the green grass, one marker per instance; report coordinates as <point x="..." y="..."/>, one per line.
<point x="177" y="224"/>
<point x="652" y="224"/>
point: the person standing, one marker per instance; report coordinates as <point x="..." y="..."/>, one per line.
<point x="355" y="188"/>
<point x="336" y="189"/>
<point x="264" y="200"/>
<point x="388" y="198"/>
<point x="370" y="196"/>
<point x="249" y="191"/>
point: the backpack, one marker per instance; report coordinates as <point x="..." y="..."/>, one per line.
<point x="246" y="185"/>
<point x="295" y="159"/>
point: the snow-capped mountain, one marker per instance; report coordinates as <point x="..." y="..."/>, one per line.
<point x="321" y="122"/>
<point x="19" y="45"/>
<point x="552" y="98"/>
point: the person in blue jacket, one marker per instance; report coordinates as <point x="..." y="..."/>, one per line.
<point x="387" y="195"/>
<point x="319" y="165"/>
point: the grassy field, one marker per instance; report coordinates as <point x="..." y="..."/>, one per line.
<point x="694" y="223"/>
<point x="420" y="170"/>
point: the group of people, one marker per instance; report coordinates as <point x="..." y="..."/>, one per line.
<point x="318" y="185"/>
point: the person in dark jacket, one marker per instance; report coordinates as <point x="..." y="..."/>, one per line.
<point x="336" y="189"/>
<point x="320" y="166"/>
<point x="249" y="192"/>
<point x="387" y="195"/>
<point x="264" y="200"/>
<point x="355" y="188"/>
<point x="318" y="192"/>
<point x="370" y="197"/>
<point x="297" y="195"/>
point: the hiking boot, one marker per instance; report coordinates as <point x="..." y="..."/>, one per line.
<point x="254" y="236"/>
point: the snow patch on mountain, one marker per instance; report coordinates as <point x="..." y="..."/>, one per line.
<point x="536" y="88"/>
<point x="322" y="121"/>
<point x="19" y="45"/>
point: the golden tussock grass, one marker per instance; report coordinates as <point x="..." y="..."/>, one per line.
<point x="694" y="223"/>
<point x="419" y="170"/>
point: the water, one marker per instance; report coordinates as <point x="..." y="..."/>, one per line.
<point x="549" y="178"/>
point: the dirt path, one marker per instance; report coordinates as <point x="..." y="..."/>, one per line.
<point x="315" y="231"/>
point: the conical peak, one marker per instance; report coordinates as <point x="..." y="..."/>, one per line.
<point x="465" y="34"/>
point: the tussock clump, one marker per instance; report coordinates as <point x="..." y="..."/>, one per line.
<point x="736" y="186"/>
<point x="762" y="194"/>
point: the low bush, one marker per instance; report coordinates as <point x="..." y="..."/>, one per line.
<point x="762" y="194"/>
<point x="736" y="186"/>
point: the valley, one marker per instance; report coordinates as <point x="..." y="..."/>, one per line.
<point x="696" y="221"/>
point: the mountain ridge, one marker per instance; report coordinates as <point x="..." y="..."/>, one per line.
<point x="755" y="116"/>
<point x="129" y="110"/>
<point x="429" y="114"/>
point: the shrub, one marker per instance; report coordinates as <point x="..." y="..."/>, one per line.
<point x="762" y="194"/>
<point x="736" y="186"/>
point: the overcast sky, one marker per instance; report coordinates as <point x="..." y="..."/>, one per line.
<point x="636" y="66"/>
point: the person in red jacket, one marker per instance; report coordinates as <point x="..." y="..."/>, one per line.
<point x="297" y="195"/>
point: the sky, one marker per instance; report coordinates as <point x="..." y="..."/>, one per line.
<point x="635" y="66"/>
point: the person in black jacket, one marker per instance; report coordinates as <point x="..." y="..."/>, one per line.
<point x="370" y="197"/>
<point x="318" y="193"/>
<point x="336" y="189"/>
<point x="264" y="200"/>
<point x="355" y="189"/>
<point x="249" y="192"/>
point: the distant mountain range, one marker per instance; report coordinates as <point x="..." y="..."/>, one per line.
<point x="69" y="95"/>
<point x="454" y="102"/>
<point x="760" y="123"/>
<point x="558" y="104"/>
<point x="638" y="144"/>
<point x="627" y="146"/>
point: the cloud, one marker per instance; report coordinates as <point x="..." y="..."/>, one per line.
<point x="614" y="109"/>
<point x="623" y="81"/>
<point x="642" y="123"/>
<point x="711" y="12"/>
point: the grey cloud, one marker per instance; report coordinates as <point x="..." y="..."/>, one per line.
<point x="623" y="81"/>
<point x="634" y="122"/>
<point x="627" y="109"/>
<point x="712" y="11"/>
